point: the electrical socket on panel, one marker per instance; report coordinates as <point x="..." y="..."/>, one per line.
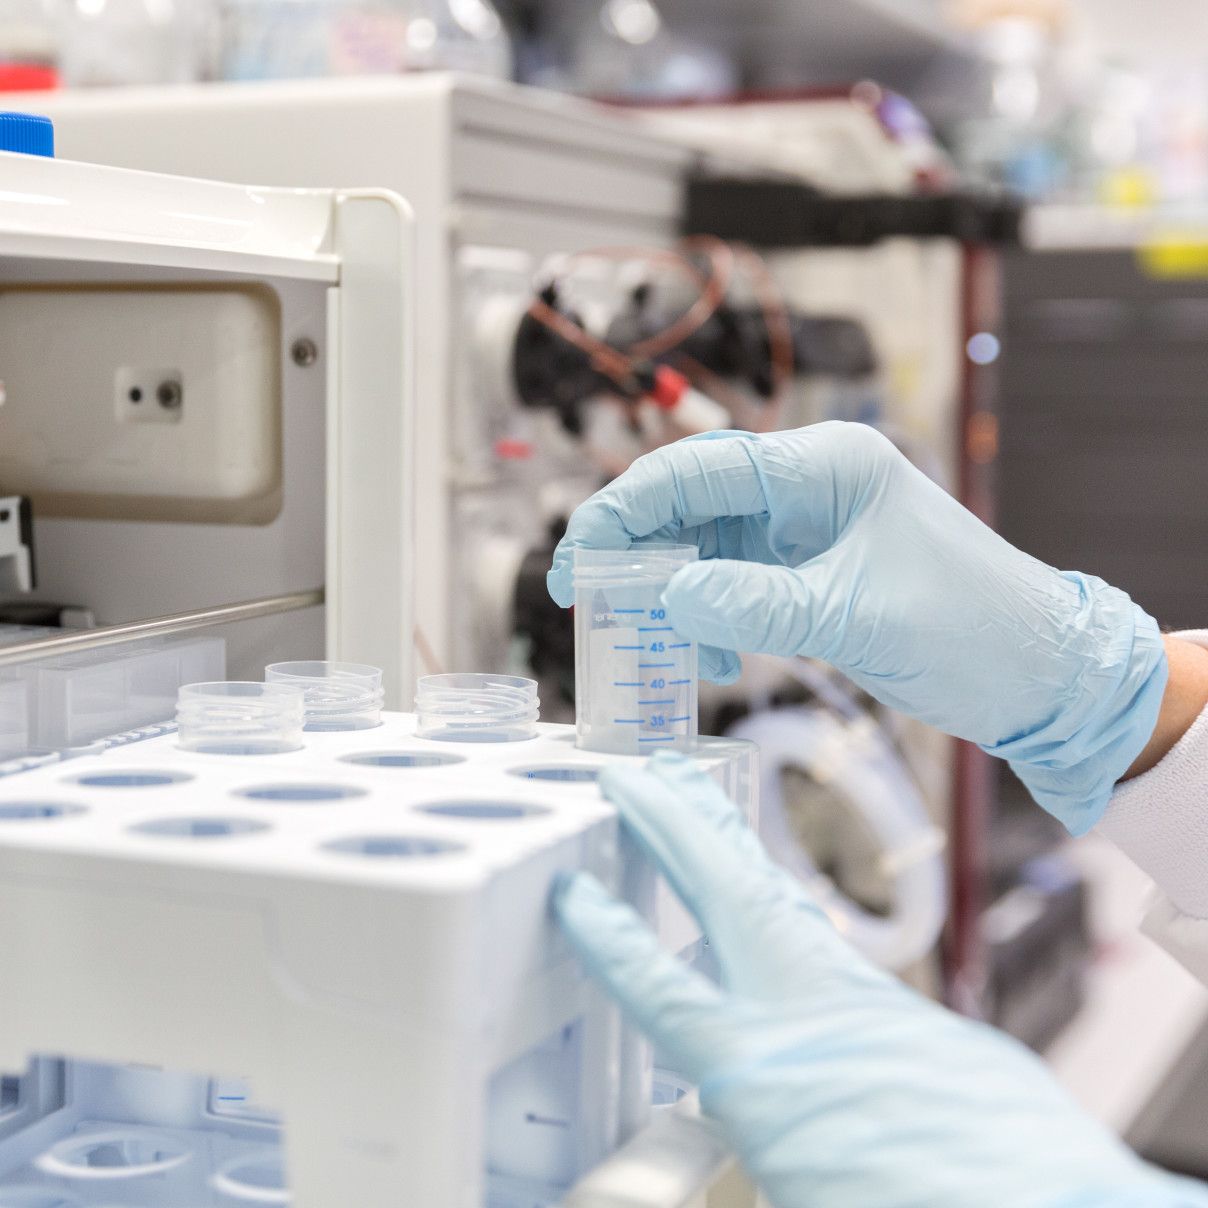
<point x="149" y="396"/>
<point x="142" y="403"/>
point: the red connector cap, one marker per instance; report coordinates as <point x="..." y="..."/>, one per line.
<point x="669" y="388"/>
<point x="509" y="449"/>
<point x="27" y="77"/>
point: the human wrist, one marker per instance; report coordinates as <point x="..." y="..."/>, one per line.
<point x="1106" y="713"/>
<point x="1184" y="699"/>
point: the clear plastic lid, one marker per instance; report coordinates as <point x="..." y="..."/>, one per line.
<point x="234" y="717"/>
<point x="339" y="696"/>
<point x="476" y="707"/>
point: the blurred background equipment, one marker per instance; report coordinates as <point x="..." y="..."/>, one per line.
<point x="29" y="45"/>
<point x="288" y="39"/>
<point x="109" y="42"/>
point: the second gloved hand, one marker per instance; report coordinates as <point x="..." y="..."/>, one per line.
<point x="837" y="1085"/>
<point x="827" y="542"/>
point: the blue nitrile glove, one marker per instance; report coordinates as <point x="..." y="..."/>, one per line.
<point x="837" y="1086"/>
<point x="827" y="542"/>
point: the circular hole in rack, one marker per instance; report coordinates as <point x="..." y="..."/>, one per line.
<point x="400" y="759"/>
<point x="392" y="847"/>
<point x="200" y="828"/>
<point x="301" y="792"/>
<point x="487" y="811"/>
<point x="255" y="1178"/>
<point x="568" y="774"/>
<point x="36" y="811"/>
<point x="131" y="779"/>
<point x="118" y="1154"/>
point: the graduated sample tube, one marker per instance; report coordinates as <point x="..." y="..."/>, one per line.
<point x="635" y="677"/>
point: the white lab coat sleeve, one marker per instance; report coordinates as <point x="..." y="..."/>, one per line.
<point x="1160" y="821"/>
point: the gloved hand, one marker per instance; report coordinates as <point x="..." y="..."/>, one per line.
<point x="827" y="542"/>
<point x="837" y="1086"/>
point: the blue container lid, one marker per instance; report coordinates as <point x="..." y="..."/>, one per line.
<point x="28" y="133"/>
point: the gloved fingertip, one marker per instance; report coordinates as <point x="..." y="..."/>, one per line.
<point x="687" y="579"/>
<point x="671" y="765"/>
<point x="575" y="888"/>
<point x="719" y="666"/>
<point x="698" y="790"/>
<point x="618" y="782"/>
<point x="667" y="758"/>
<point x="740" y="606"/>
<point x="720" y="434"/>
<point x="692" y="598"/>
<point x="558" y="582"/>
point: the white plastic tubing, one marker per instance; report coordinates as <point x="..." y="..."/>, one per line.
<point x="852" y="755"/>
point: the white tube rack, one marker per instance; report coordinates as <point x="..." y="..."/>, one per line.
<point x="359" y="931"/>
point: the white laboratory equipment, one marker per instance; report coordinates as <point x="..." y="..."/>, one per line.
<point x="192" y="370"/>
<point x="317" y="976"/>
<point x="504" y="182"/>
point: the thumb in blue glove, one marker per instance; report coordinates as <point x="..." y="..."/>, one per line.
<point x="837" y="1086"/>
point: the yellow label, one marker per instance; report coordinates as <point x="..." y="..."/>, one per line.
<point x="1175" y="254"/>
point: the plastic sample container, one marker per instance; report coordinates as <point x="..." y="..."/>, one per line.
<point x="635" y="677"/>
<point x="339" y="696"/>
<point x="14" y="718"/>
<point x="83" y="697"/>
<point x="476" y="707"/>
<point x="16" y="723"/>
<point x="240" y="718"/>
